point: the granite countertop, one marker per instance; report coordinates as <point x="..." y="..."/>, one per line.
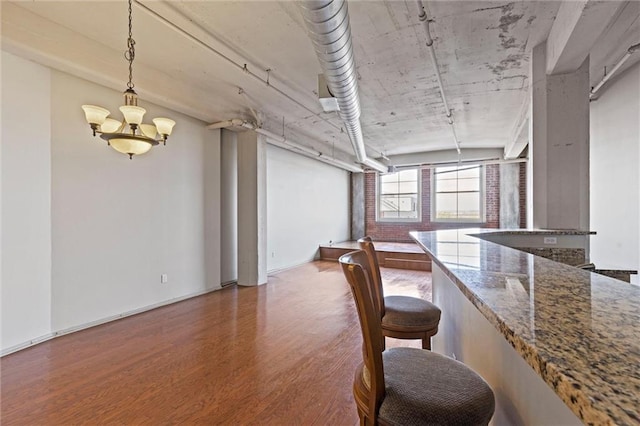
<point x="578" y="330"/>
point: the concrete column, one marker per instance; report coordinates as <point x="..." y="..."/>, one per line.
<point x="559" y="149"/>
<point x="510" y="196"/>
<point x="212" y="218"/>
<point x="252" y="209"/>
<point x="229" y="207"/>
<point x="357" y="206"/>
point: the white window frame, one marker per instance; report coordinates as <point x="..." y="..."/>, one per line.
<point x="400" y="219"/>
<point x="483" y="200"/>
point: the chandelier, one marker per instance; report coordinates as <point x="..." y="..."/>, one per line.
<point x="130" y="136"/>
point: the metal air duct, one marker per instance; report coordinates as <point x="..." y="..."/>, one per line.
<point x="327" y="22"/>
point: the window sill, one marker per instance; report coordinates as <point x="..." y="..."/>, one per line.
<point x="461" y="222"/>
<point x="399" y="220"/>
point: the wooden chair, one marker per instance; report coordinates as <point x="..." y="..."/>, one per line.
<point x="403" y="317"/>
<point x="408" y="386"/>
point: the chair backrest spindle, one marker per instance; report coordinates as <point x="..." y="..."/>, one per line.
<point x="366" y="244"/>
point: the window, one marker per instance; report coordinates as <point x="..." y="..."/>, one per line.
<point x="457" y="194"/>
<point x="399" y="196"/>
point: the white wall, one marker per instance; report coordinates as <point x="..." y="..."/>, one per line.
<point x="90" y="230"/>
<point x="118" y="224"/>
<point x="25" y="289"/>
<point x="615" y="177"/>
<point x="307" y="204"/>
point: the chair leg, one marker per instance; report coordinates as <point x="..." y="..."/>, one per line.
<point x="426" y="343"/>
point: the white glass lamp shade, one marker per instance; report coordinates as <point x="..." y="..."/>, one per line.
<point x="164" y="125"/>
<point x="133" y="114"/>
<point x="110" y="126"/>
<point x="149" y="130"/>
<point x="95" y="114"/>
<point x="130" y="146"/>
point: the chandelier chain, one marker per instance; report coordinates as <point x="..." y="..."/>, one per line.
<point x="130" y="54"/>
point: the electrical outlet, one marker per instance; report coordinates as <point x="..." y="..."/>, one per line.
<point x="164" y="278"/>
<point x="550" y="240"/>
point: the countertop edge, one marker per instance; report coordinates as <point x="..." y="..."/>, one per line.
<point x="534" y="232"/>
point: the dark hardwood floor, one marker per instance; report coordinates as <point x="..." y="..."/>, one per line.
<point x="281" y="354"/>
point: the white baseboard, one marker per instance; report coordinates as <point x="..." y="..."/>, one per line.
<point x="84" y="326"/>
<point x="27" y="344"/>
<point x="286" y="268"/>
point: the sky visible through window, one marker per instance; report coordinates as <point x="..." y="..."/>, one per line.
<point x="458" y="193"/>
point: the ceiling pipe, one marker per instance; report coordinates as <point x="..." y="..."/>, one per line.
<point x="285" y="143"/>
<point x="242" y="67"/>
<point x="630" y="51"/>
<point x="462" y="163"/>
<point x="328" y="26"/>
<point x="422" y="16"/>
<point x="226" y="123"/>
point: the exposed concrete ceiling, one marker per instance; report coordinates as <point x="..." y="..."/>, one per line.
<point x="190" y="57"/>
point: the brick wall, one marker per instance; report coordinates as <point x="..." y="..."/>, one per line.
<point x="492" y="194"/>
<point x="523" y="195"/>
<point x="399" y="231"/>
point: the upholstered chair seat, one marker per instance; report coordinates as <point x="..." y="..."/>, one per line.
<point x="402" y="312"/>
<point x="422" y="387"/>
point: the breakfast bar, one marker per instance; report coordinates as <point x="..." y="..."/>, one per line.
<point x="558" y="344"/>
